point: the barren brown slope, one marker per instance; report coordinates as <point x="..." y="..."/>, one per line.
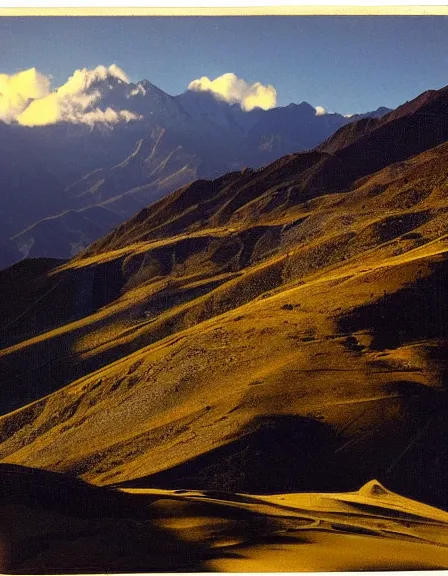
<point x="422" y="120"/>
<point x="112" y="303"/>
<point x="316" y="326"/>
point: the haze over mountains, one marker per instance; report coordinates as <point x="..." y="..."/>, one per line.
<point x="245" y="338"/>
<point x="77" y="162"/>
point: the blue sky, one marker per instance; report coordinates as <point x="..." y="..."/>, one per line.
<point x="346" y="64"/>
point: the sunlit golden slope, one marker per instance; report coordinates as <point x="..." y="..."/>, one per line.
<point x="261" y="340"/>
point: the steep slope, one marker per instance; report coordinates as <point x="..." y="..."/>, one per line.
<point x="266" y="315"/>
<point x="409" y="129"/>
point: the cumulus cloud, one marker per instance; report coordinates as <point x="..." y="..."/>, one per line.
<point x="83" y="79"/>
<point x="16" y="91"/>
<point x="320" y="110"/>
<point x="139" y="89"/>
<point x="232" y="89"/>
<point x="28" y="100"/>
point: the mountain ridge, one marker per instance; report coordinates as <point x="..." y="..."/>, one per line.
<point x="227" y="139"/>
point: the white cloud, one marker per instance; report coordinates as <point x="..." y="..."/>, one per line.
<point x="82" y="80"/>
<point x="234" y="90"/>
<point x="16" y="90"/>
<point x="26" y="98"/>
<point x="139" y="89"/>
<point x="320" y="110"/>
<point x="108" y="116"/>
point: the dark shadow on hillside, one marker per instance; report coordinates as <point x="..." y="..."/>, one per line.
<point x="22" y="287"/>
<point x="420" y="471"/>
<point x="57" y="492"/>
<point x="417" y="312"/>
<point x="277" y="453"/>
<point x="282" y="453"/>
<point x="53" y="524"/>
<point x="407" y="452"/>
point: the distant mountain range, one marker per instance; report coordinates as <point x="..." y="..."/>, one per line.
<point x="65" y="185"/>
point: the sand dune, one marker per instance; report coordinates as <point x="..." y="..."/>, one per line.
<point x="372" y="528"/>
<point x="50" y="523"/>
